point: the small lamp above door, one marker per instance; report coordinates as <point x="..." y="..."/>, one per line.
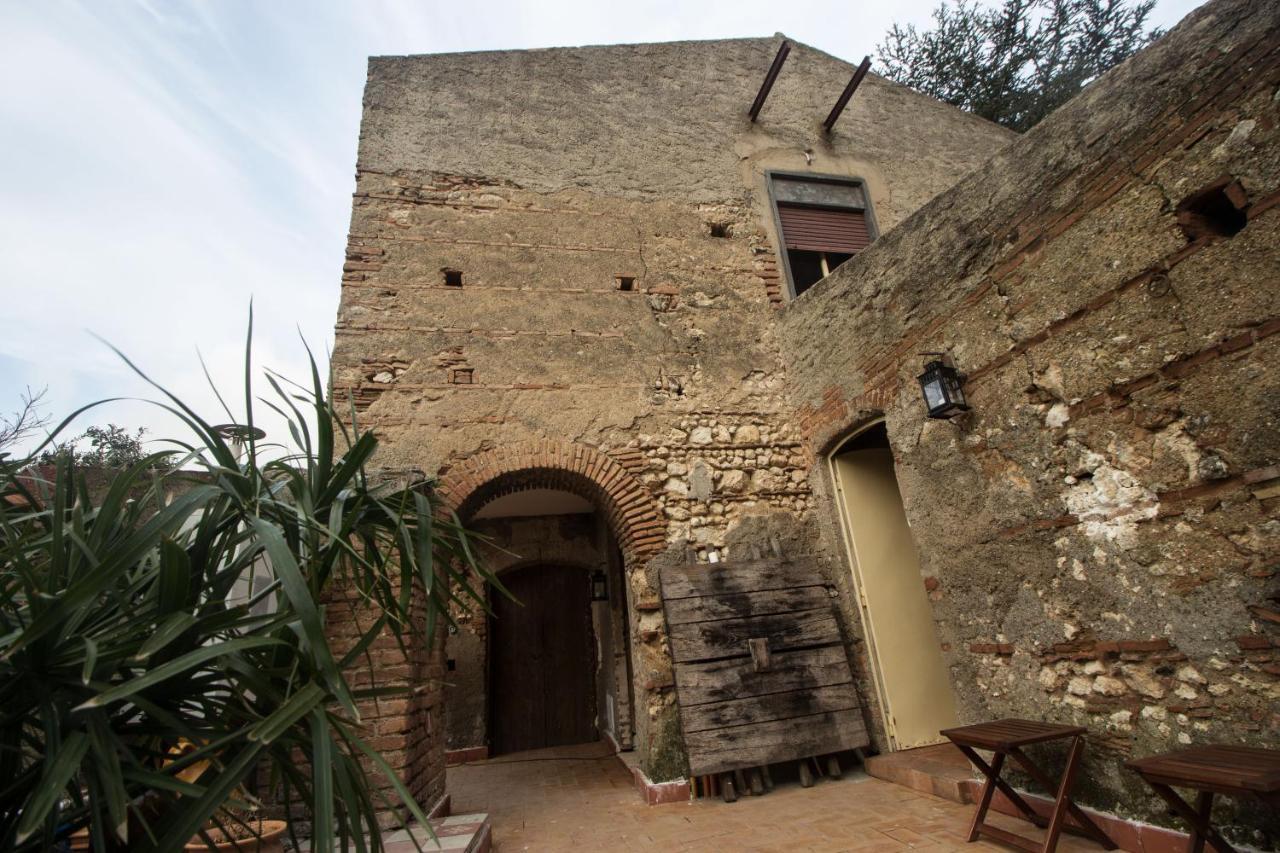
<point x="599" y="586"/>
<point x="943" y="390"/>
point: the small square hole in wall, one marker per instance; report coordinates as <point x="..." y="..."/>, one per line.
<point x="462" y="376"/>
<point x="626" y="282"/>
<point x="1218" y="210"/>
<point x="719" y="229"/>
<point x="451" y="664"/>
<point x="452" y="278"/>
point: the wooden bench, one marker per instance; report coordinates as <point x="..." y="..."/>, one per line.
<point x="1234" y="770"/>
<point x="1006" y="738"/>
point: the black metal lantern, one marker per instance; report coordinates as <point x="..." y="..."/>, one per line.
<point x="943" y="391"/>
<point x="599" y="586"/>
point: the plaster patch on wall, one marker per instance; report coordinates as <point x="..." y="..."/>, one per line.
<point x="1109" y="502"/>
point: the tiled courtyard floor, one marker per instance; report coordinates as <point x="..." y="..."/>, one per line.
<point x="584" y="801"/>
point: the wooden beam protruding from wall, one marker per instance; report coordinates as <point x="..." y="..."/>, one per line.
<point x="852" y="87"/>
<point x="769" y="78"/>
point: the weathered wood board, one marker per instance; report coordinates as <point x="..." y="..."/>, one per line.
<point x="716" y="681"/>
<point x="720" y="750"/>
<point x="763" y="709"/>
<point x="762" y="603"/>
<point x="720" y="579"/>
<point x="722" y="638"/>
<point x="735" y="711"/>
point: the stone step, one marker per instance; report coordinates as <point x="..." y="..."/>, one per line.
<point x="941" y="770"/>
<point x="462" y="833"/>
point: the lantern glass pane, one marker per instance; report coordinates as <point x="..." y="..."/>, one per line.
<point x="933" y="395"/>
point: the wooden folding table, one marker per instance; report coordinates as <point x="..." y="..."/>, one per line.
<point x="1234" y="770"/>
<point x="1007" y="738"/>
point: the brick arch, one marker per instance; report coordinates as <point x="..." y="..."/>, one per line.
<point x="634" y="516"/>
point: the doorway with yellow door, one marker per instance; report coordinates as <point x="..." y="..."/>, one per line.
<point x="911" y="679"/>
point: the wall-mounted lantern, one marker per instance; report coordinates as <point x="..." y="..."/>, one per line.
<point x="943" y="389"/>
<point x="599" y="586"/>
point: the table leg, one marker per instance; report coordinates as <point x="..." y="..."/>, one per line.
<point x="1201" y="829"/>
<point x="1204" y="806"/>
<point x="993" y="774"/>
<point x="1064" y="795"/>
<point x="1004" y="787"/>
<point x="1087" y="826"/>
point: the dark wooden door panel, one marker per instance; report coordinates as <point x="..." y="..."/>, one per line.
<point x="542" y="661"/>
<point x="517" y="692"/>
<point x="568" y="651"/>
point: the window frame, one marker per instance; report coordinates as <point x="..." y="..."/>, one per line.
<point x="770" y="175"/>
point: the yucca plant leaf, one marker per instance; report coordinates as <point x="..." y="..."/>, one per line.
<point x="90" y="660"/>
<point x="53" y="783"/>
<point x="174" y="667"/>
<point x="303" y="601"/>
<point x="298" y="705"/>
<point x="107" y="764"/>
<point x="174" y="577"/>
<point x="322" y="780"/>
<point x="172" y="627"/>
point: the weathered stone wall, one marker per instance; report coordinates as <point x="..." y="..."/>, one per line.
<point x="604" y="210"/>
<point x="1102" y="530"/>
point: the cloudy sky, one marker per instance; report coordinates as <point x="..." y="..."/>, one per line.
<point x="162" y="162"/>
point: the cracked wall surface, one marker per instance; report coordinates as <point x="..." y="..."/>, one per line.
<point x="575" y="246"/>
<point x="1101" y="534"/>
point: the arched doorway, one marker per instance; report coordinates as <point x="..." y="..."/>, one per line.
<point x="550" y="512"/>
<point x="542" y="660"/>
<point x="912" y="683"/>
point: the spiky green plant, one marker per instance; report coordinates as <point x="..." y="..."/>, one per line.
<point x="129" y="626"/>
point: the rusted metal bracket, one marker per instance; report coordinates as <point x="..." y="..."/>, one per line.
<point x="767" y="85"/>
<point x="852" y="87"/>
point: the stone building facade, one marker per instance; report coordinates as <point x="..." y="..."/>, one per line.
<point x="566" y="296"/>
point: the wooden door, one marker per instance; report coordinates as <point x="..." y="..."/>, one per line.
<point x="542" y="661"/>
<point x="914" y="687"/>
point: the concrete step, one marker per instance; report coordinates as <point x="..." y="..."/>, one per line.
<point x="941" y="770"/>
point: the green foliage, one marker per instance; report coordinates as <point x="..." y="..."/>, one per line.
<point x="1017" y="63"/>
<point x="131" y="624"/>
<point x="110" y="446"/>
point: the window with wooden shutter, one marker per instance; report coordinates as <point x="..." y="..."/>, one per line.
<point x="824" y="229"/>
<point x="822" y="222"/>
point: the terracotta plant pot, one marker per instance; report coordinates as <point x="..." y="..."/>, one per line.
<point x="271" y="840"/>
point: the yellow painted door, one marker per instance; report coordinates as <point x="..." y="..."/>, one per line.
<point x="915" y="690"/>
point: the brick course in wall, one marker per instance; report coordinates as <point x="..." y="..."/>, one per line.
<point x="626" y="505"/>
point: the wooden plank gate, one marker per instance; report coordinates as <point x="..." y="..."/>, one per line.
<point x="761" y="672"/>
